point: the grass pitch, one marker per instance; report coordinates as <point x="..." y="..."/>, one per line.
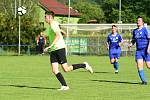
<point x="30" y="78"/>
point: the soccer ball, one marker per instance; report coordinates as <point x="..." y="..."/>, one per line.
<point x="22" y="10"/>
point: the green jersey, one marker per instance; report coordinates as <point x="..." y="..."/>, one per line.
<point x="54" y="28"/>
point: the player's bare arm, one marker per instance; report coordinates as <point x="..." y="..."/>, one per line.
<point x="107" y="46"/>
<point x="148" y="49"/>
<point x="132" y="43"/>
<point x="63" y="32"/>
<point x="121" y="43"/>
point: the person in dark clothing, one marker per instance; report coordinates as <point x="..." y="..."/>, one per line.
<point x="41" y="42"/>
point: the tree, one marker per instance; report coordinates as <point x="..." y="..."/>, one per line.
<point x="9" y="24"/>
<point x="89" y="11"/>
<point x="130" y="10"/>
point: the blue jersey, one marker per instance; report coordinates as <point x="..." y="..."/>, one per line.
<point x="141" y="38"/>
<point x="114" y="41"/>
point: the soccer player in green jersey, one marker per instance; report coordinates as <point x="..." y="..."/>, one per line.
<point x="58" y="52"/>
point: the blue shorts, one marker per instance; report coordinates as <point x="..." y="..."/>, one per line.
<point x="114" y="53"/>
<point x="142" y="55"/>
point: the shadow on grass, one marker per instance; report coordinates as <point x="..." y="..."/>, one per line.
<point x="109" y="81"/>
<point x="25" y="86"/>
<point x="104" y="72"/>
<point x="95" y="72"/>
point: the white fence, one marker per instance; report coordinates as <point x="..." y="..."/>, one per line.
<point x="90" y="39"/>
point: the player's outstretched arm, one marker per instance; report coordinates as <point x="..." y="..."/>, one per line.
<point x="63" y="32"/>
<point x="121" y="43"/>
<point x="148" y="49"/>
<point x="131" y="44"/>
<point x="107" y="46"/>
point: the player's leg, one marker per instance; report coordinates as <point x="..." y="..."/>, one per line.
<point x="72" y="67"/>
<point x="116" y="63"/>
<point x="147" y="60"/>
<point x="66" y="67"/>
<point x="39" y="48"/>
<point x="116" y="66"/>
<point x="112" y="59"/>
<point x="140" y="64"/>
<point x="55" y="69"/>
<point x="59" y="76"/>
<point x="148" y="64"/>
<point x="42" y="49"/>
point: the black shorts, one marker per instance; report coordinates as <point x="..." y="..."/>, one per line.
<point x="58" y="56"/>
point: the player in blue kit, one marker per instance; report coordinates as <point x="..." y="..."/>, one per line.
<point x="114" y="41"/>
<point x="141" y="36"/>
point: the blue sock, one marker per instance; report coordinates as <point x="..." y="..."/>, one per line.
<point x="142" y="76"/>
<point x="116" y="65"/>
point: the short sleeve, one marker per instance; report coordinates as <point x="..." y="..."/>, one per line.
<point x="148" y="33"/>
<point x="55" y="27"/>
<point x="133" y="37"/>
<point x="120" y="38"/>
<point x="108" y="39"/>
